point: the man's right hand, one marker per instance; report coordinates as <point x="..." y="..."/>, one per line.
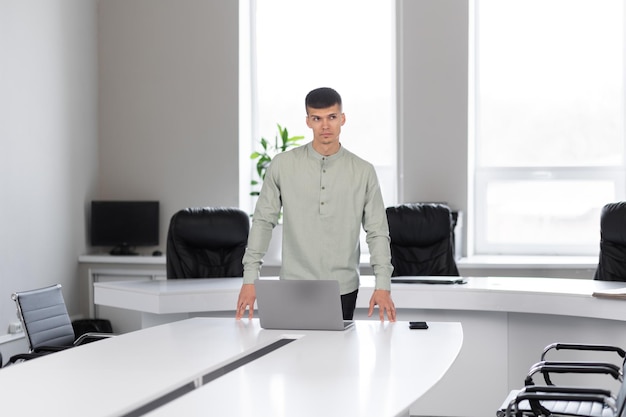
<point x="247" y="296"/>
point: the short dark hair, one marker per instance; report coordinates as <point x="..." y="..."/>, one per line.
<point x="321" y="98"/>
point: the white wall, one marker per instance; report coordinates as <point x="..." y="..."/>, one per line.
<point x="169" y="103"/>
<point x="432" y="91"/>
<point x="48" y="144"/>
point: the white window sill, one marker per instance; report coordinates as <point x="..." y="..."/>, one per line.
<point x="528" y="262"/>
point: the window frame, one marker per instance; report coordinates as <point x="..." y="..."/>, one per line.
<point x="486" y="175"/>
<point x="482" y="176"/>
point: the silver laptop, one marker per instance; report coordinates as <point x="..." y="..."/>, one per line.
<point x="300" y="304"/>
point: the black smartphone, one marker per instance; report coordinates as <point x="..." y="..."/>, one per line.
<point x="418" y="325"/>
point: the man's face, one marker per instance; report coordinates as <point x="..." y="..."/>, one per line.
<point x="326" y="124"/>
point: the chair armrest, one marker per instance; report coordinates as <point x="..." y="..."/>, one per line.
<point x="91" y="337"/>
<point x="567" y="390"/>
<point x="582" y="346"/>
<point x="44" y="350"/>
<point x="590" y="364"/>
<point x="546" y="368"/>
<point x="19" y="357"/>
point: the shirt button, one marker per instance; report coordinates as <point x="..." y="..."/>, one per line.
<point x="323" y="188"/>
<point x="322" y="203"/>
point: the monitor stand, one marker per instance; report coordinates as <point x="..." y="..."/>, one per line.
<point x="123" y="250"/>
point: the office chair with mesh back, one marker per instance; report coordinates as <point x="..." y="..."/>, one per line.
<point x="612" y="262"/>
<point x="422" y="242"/>
<point x="46" y="323"/>
<point x="207" y="242"/>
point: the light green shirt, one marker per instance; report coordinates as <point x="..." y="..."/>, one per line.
<point x="325" y="201"/>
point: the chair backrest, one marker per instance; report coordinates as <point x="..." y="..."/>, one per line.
<point x="44" y="317"/>
<point x="422" y="242"/>
<point x="207" y="242"/>
<point x="612" y="262"/>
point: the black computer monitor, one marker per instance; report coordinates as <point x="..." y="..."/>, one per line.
<point x="124" y="225"/>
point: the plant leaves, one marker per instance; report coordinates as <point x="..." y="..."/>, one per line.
<point x="264" y="157"/>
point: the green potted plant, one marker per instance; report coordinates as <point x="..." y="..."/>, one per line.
<point x="282" y="142"/>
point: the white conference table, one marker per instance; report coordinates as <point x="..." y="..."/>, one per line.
<point x="507" y="321"/>
<point x="372" y="369"/>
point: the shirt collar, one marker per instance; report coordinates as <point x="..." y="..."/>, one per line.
<point x="319" y="156"/>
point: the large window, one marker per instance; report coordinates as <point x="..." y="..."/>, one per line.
<point x="294" y="47"/>
<point x="549" y="106"/>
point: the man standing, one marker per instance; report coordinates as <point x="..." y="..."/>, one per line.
<point x="326" y="193"/>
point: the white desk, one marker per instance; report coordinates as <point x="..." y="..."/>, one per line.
<point x="372" y="369"/>
<point x="107" y="267"/>
<point x="554" y="296"/>
<point x="506" y="322"/>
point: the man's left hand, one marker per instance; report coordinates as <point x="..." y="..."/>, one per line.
<point x="382" y="298"/>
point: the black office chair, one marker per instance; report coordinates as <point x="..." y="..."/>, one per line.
<point x="207" y="242"/>
<point x="422" y="241"/>
<point x="612" y="262"/>
<point x="46" y="323"/>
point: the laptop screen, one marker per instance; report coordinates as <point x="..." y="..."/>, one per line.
<point x="299" y="304"/>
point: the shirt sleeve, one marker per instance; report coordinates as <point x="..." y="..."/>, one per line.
<point x="264" y="219"/>
<point x="377" y="233"/>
